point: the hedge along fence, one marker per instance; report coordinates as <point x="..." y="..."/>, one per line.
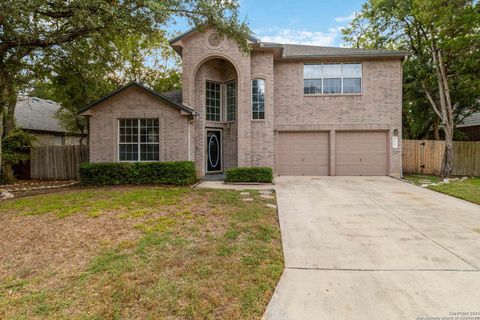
<point x="173" y="173"/>
<point x="255" y="174"/>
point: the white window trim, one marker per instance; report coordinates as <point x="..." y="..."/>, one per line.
<point x="264" y="99"/>
<point x="341" y="81"/>
<point x="234" y="81"/>
<point x="138" y="141"/>
<point x="221" y="100"/>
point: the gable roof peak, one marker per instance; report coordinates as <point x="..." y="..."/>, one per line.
<point x="163" y="97"/>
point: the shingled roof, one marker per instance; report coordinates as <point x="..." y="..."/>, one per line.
<point x="37" y="114"/>
<point x="299" y="51"/>
<point x="305" y="51"/>
<point x="174" y="95"/>
<point x="470" y="121"/>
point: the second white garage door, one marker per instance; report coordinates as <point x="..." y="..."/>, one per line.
<point x="361" y="153"/>
<point x="303" y="153"/>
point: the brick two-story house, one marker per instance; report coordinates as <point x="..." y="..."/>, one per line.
<point x="302" y="110"/>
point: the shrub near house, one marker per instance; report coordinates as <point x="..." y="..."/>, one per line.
<point x="255" y="174"/>
<point x="173" y="173"/>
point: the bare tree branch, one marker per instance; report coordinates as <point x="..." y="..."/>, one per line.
<point x="48" y="41"/>
<point x="432" y="102"/>
<point x="56" y="14"/>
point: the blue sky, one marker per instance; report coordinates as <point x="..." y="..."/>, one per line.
<point x="297" y="21"/>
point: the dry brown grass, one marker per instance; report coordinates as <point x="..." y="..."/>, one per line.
<point x="138" y="253"/>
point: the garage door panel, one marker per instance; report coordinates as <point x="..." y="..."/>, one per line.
<point x="361" y="153"/>
<point x="303" y="153"/>
<point x="365" y="157"/>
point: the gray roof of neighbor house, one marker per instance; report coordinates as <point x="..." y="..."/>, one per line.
<point x="37" y="114"/>
<point x="471" y="121"/>
<point x="161" y="96"/>
<point x="174" y="95"/>
<point x="306" y="51"/>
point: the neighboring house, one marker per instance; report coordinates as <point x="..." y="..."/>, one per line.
<point x="470" y="127"/>
<point x="302" y="110"/>
<point x="37" y="116"/>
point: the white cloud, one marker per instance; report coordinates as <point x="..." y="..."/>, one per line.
<point x="300" y="36"/>
<point x="345" y="19"/>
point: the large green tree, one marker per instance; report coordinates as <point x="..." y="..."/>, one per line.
<point x="82" y="72"/>
<point x="442" y="72"/>
<point x="29" y="27"/>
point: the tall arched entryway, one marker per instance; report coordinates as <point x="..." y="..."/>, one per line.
<point x="216" y="96"/>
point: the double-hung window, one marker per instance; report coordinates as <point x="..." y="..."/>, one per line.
<point x="213" y="101"/>
<point x="258" y="99"/>
<point x="231" y="100"/>
<point x="221" y="101"/>
<point x="332" y="78"/>
<point x="139" y="140"/>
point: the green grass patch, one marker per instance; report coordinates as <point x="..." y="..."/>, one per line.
<point x="129" y="202"/>
<point x="468" y="189"/>
<point x="465" y="189"/>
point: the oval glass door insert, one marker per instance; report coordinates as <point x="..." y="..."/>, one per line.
<point x="213" y="151"/>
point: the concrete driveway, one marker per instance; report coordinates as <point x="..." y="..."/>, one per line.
<point x="374" y="248"/>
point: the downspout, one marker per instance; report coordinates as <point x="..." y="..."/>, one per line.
<point x="401" y="117"/>
<point x="189" y="139"/>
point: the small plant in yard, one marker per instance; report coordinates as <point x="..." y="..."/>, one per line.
<point x="254" y="174"/>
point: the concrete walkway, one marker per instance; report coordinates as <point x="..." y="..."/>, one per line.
<point x="374" y="248"/>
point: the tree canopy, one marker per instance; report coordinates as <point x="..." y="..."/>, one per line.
<point x="441" y="75"/>
<point x="35" y="35"/>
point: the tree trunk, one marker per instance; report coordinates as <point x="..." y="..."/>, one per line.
<point x="81" y="127"/>
<point x="445" y="112"/>
<point x="7" y="170"/>
<point x="448" y="158"/>
<point x="82" y="136"/>
<point x="8" y="101"/>
<point x="3" y="103"/>
<point x="1" y="134"/>
<point x="436" y="128"/>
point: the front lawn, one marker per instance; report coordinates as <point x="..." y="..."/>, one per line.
<point x="138" y="252"/>
<point x="468" y="189"/>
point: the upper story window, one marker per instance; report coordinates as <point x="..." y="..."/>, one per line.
<point x="213" y="101"/>
<point x="139" y="140"/>
<point x="258" y="99"/>
<point x="332" y="78"/>
<point x="231" y="100"/>
<point x="221" y="101"/>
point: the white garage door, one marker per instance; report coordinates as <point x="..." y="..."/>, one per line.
<point x="361" y="153"/>
<point x="303" y="153"/>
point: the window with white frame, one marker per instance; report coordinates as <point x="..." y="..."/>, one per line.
<point x="139" y="140"/>
<point x="231" y="100"/>
<point x="258" y="99"/>
<point x="213" y="110"/>
<point x="332" y="78"/>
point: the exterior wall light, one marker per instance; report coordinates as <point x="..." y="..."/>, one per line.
<point x="395" y="139"/>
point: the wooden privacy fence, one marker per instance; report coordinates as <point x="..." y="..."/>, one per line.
<point x="425" y="157"/>
<point x="57" y="162"/>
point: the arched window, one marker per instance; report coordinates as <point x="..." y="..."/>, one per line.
<point x="258" y="99"/>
